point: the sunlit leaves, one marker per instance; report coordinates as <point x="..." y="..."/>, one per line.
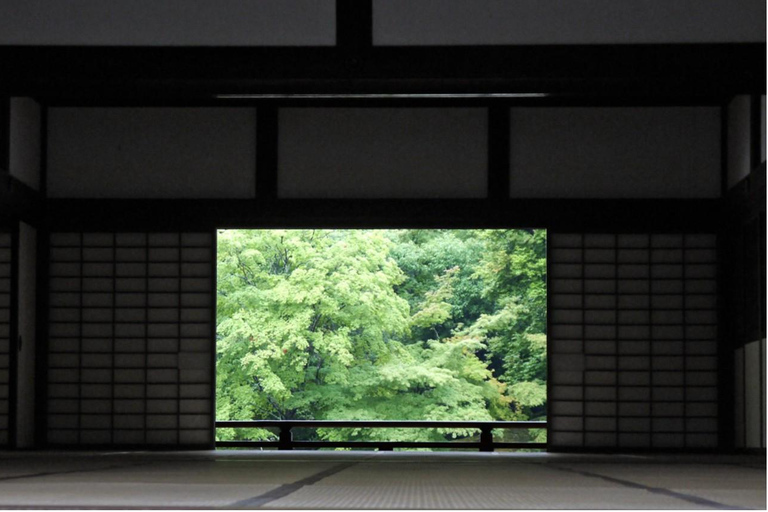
<point x="392" y="324"/>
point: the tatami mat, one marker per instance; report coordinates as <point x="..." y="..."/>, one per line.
<point x="373" y="480"/>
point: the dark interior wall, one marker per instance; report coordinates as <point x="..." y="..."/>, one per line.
<point x="633" y="314"/>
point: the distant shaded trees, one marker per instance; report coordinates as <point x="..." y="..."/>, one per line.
<point x="380" y="324"/>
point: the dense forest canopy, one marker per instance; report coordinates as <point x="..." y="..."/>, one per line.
<point x="381" y="324"/>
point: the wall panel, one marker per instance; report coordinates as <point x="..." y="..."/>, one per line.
<point x="131" y="339"/>
<point x="520" y="22"/>
<point x="151" y="153"/>
<point x="168" y="23"/>
<point x="633" y="341"/>
<point x="383" y="153"/>
<point x="649" y="152"/>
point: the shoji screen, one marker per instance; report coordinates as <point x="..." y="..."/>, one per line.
<point x="131" y="339"/>
<point x="5" y="335"/>
<point x="633" y="339"/>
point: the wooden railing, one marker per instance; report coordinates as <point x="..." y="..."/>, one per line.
<point x="285" y="437"/>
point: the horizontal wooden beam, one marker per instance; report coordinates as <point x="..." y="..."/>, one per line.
<point x="74" y="74"/>
<point x="589" y="215"/>
<point x="286" y="442"/>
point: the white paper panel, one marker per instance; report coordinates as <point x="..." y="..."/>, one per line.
<point x="615" y="152"/>
<point x="151" y="152"/>
<point x="168" y="23"/>
<point x="525" y="22"/>
<point x="387" y="152"/>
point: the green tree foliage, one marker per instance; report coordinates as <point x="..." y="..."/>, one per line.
<point x="514" y="273"/>
<point x="372" y="324"/>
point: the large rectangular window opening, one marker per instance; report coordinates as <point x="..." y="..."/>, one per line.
<point x="381" y="324"/>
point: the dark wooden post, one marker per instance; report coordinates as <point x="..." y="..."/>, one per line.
<point x="486" y="439"/>
<point x="285" y="441"/>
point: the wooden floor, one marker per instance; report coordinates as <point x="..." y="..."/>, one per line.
<point x="379" y="480"/>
